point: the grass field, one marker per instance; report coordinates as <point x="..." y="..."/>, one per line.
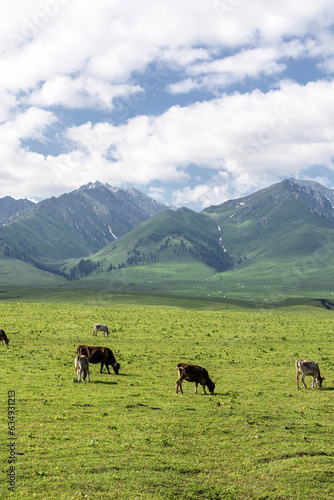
<point x="129" y="436"/>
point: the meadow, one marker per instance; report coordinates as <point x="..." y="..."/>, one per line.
<point x="130" y="436"/>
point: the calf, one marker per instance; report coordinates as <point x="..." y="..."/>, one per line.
<point x="194" y="373"/>
<point x="102" y="355"/>
<point x="81" y="364"/>
<point x="101" y="328"/>
<point x="305" y="368"/>
<point x="3" y="337"/>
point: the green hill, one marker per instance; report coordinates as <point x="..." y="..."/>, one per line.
<point x="14" y="272"/>
<point x="170" y="237"/>
<point x="278" y="224"/>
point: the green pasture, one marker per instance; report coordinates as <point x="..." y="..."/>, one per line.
<point x="130" y="436"/>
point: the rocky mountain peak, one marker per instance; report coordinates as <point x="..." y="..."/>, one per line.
<point x="97" y="184"/>
<point x="11" y="208"/>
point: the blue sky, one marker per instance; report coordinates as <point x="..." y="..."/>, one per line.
<point x="191" y="102"/>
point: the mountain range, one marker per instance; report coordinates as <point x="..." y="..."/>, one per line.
<point x="105" y="237"/>
<point x="74" y="225"/>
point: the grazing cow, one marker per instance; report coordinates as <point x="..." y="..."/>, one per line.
<point x="3" y="337"/>
<point x="81" y="364"/>
<point x="102" y="355"/>
<point x="305" y="368"/>
<point x="101" y="328"/>
<point x="194" y="373"/>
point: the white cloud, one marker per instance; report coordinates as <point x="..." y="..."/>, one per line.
<point x="222" y="72"/>
<point x="29" y="124"/>
<point x="63" y="56"/>
<point x="252" y="138"/>
<point x="110" y="41"/>
<point x="248" y="140"/>
<point x="80" y="93"/>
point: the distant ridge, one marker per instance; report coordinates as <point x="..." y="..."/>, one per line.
<point x="9" y="208"/>
<point x="76" y="224"/>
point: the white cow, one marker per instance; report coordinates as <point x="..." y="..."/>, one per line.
<point x="81" y="364"/>
<point x="305" y="368"/>
<point x="101" y="328"/>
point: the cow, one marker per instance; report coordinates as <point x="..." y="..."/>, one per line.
<point x="305" y="368"/>
<point x="194" y="373"/>
<point x="103" y="355"/>
<point x="3" y="337"/>
<point x="101" y="328"/>
<point x="81" y="365"/>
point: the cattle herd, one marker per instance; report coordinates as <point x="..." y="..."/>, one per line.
<point x="191" y="373"/>
<point x="87" y="354"/>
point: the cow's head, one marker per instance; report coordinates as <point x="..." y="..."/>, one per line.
<point x="319" y="381"/>
<point x="6" y="341"/>
<point x="116" y="367"/>
<point x="211" y="386"/>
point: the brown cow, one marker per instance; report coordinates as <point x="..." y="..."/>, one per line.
<point x="194" y="373"/>
<point x="102" y="355"/>
<point x="81" y="365"/>
<point x="3" y="337"/>
<point x="305" y="368"/>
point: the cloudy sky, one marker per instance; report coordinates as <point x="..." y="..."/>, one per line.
<point x="193" y="102"/>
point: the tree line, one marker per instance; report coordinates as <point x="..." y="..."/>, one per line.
<point x="85" y="267"/>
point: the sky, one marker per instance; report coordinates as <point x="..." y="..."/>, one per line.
<point x="192" y="102"/>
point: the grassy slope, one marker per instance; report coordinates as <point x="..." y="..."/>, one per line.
<point x="182" y="225"/>
<point x="15" y="272"/>
<point x="290" y="230"/>
<point x="43" y="238"/>
<point x="305" y="277"/>
<point x="130" y="436"/>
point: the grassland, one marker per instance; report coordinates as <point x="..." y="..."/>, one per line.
<point x="130" y="436"/>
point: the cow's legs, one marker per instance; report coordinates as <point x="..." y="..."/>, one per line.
<point x="107" y="366"/>
<point x="196" y="384"/>
<point x="179" y="385"/>
<point x="102" y="365"/>
<point x="303" y="377"/>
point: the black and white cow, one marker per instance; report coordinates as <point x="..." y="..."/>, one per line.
<point x="101" y="328"/>
<point x="308" y="368"/>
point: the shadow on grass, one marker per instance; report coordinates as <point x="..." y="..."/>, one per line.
<point x="103" y="382"/>
<point x="117" y="375"/>
<point x="327" y="388"/>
